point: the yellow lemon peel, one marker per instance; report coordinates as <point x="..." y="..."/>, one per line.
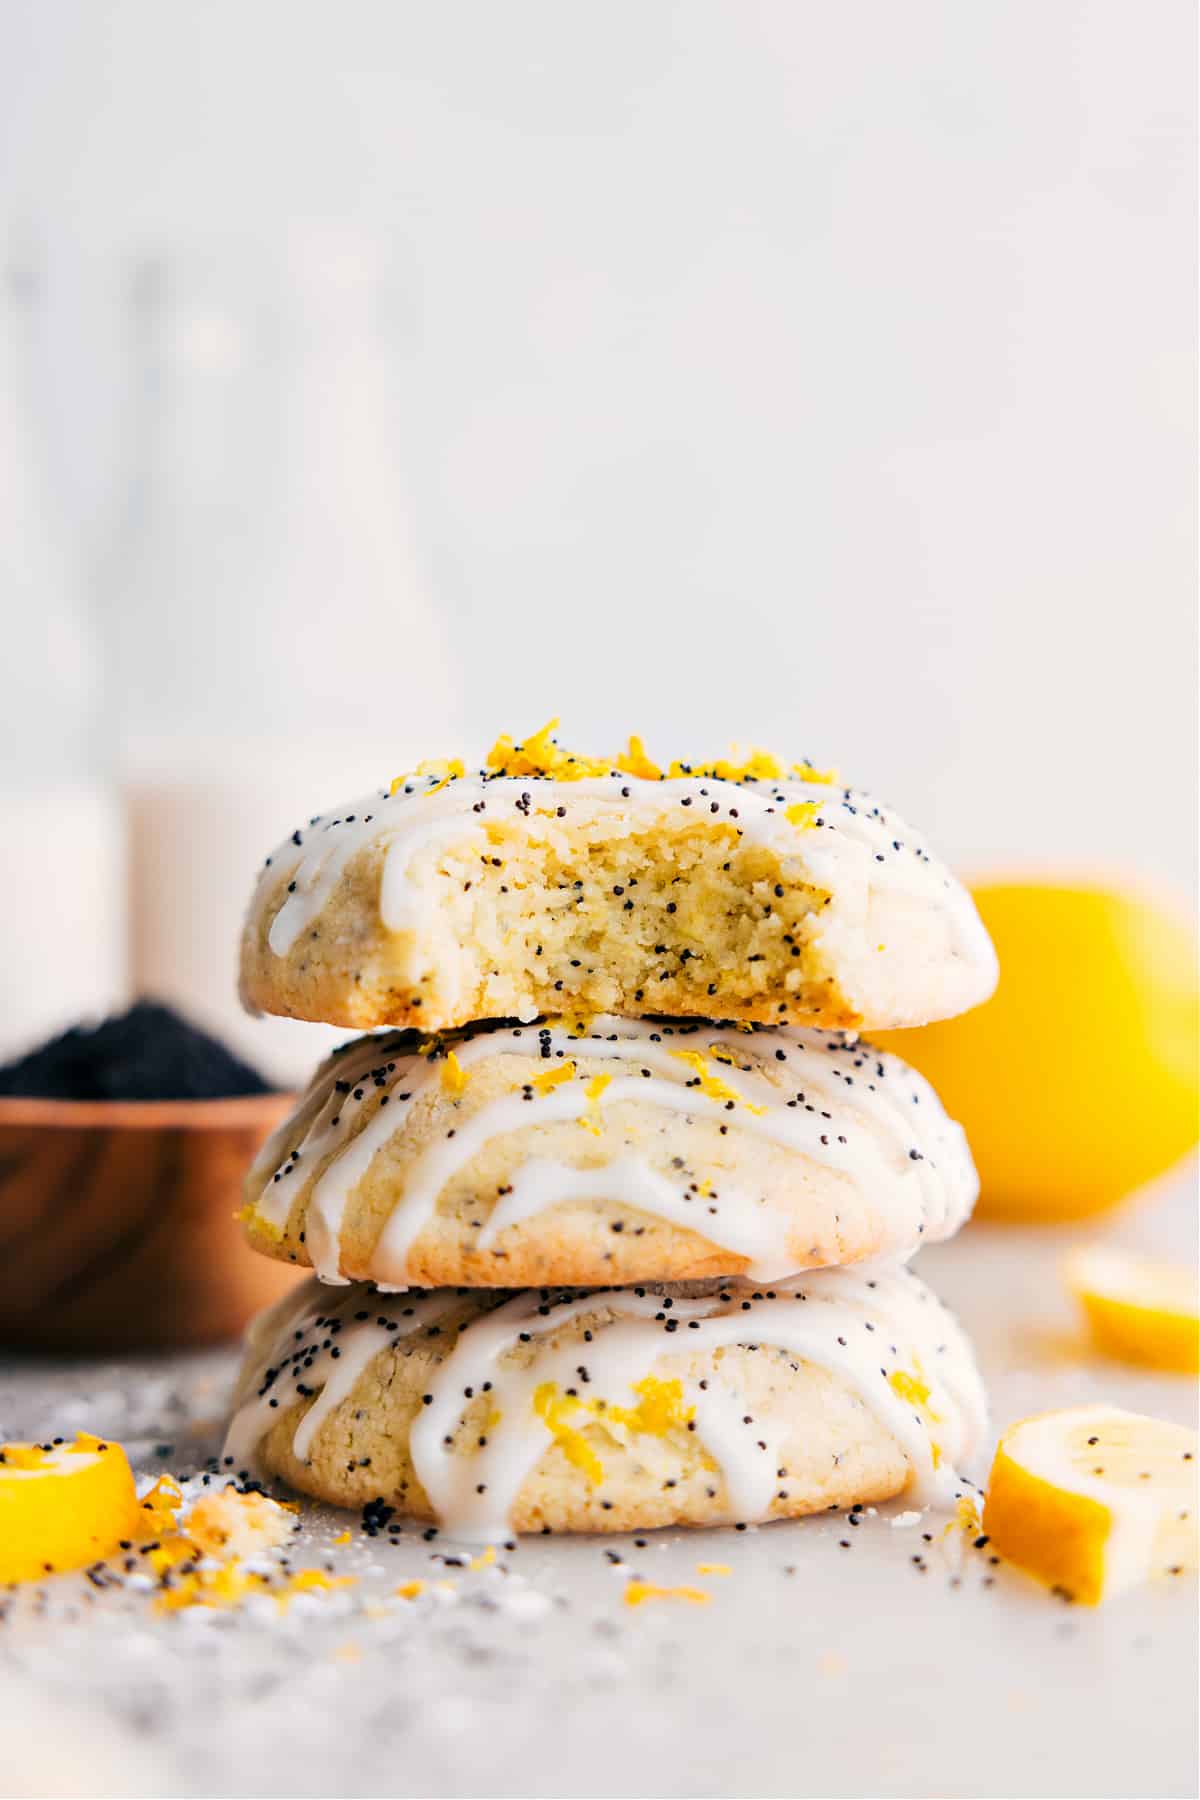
<point x="634" y="761"/>
<point x="594" y="1091"/>
<point x="1102" y="1112"/>
<point x="1138" y="1310"/>
<point x="915" y="1389"/>
<point x="911" y="1388"/>
<point x="545" y="1084"/>
<point x="63" y="1506"/>
<point x="1095" y="1500"/>
<point x="554" y="1408"/>
<point x="454" y="1077"/>
<point x="26" y="1457"/>
<point x="814" y="777"/>
<point x="447" y="770"/>
<point x="802" y="813"/>
<point x="711" y="1084"/>
<point x="541" y="755"/>
<point x="659" y="1409"/>
<point x="158" y="1508"/>
<point x="638" y="1592"/>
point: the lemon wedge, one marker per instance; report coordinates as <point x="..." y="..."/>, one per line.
<point x="1095" y="1500"/>
<point x="1138" y="1310"/>
<point x="63" y="1506"/>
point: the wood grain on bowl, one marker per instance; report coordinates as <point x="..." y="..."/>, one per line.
<point x="117" y="1225"/>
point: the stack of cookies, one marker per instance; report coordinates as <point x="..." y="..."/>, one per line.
<point x="610" y="1211"/>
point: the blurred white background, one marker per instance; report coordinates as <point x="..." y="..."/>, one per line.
<point x="818" y="376"/>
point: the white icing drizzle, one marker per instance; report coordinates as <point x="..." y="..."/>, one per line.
<point x="845" y="1106"/>
<point x="747" y="1226"/>
<point x="851" y="829"/>
<point x="862" y="1327"/>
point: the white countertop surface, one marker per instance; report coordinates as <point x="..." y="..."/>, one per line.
<point x="814" y="1670"/>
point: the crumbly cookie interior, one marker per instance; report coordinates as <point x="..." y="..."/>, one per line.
<point x="687" y="920"/>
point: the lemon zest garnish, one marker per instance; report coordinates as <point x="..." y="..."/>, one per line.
<point x="659" y="1409"/>
<point x="448" y="771"/>
<point x="713" y="1569"/>
<point x="225" y="1586"/>
<point x="170" y="1552"/>
<point x="454" y="1076"/>
<point x="553" y="1078"/>
<point x="802" y="813"/>
<point x="636" y="1592"/>
<point x="816" y="777"/>
<point x="754" y="765"/>
<point x="158" y="1509"/>
<point x="911" y="1388"/>
<point x="965" y="1520"/>
<point x="408" y="1590"/>
<point x="915" y="1389"/>
<point x="310" y="1581"/>
<point x="230" y="1583"/>
<point x="541" y="755"/>
<point x="634" y="761"/>
<point x="711" y="1084"/>
<point x="594" y="1089"/>
<point x="485" y="1559"/>
<point x="553" y="1408"/>
<point x="343" y="1537"/>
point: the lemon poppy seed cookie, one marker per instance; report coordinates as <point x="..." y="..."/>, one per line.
<point x="613" y="1151"/>
<point x="547" y="882"/>
<point x="623" y="1409"/>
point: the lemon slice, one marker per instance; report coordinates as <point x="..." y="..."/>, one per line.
<point x="1138" y="1310"/>
<point x="63" y="1506"/>
<point x="1095" y="1500"/>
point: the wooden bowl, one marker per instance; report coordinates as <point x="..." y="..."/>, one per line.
<point x="117" y="1222"/>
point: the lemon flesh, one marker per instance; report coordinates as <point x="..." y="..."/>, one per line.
<point x="1094" y="1501"/>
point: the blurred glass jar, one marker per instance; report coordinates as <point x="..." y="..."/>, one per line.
<point x="274" y="645"/>
<point x="62" y="900"/>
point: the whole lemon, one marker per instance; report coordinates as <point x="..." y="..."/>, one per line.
<point x="1077" y="1081"/>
